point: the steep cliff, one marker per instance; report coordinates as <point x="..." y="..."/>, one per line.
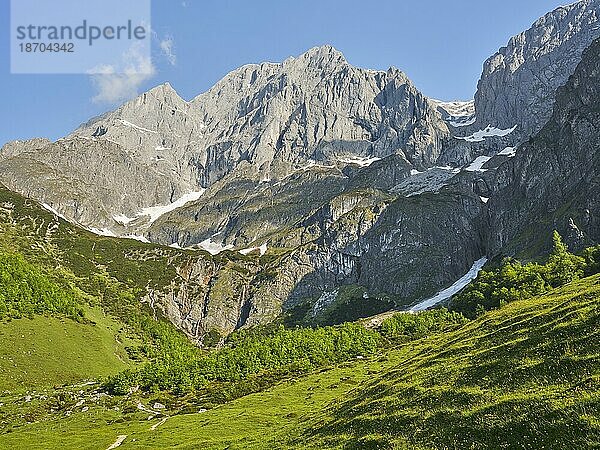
<point x="553" y="181"/>
<point x="519" y="82"/>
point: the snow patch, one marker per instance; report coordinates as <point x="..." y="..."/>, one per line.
<point x="103" y="232"/>
<point x="446" y="168"/>
<point x="160" y="148"/>
<point x="262" y="249"/>
<point x="53" y="211"/>
<point x="123" y="219"/>
<point x="213" y="248"/>
<point x="457" y="108"/>
<point x="452" y="290"/>
<point x="489" y="131"/>
<point x="477" y="164"/>
<point x="509" y="151"/>
<point x="463" y="123"/>
<point x="457" y="113"/>
<point x="134" y="126"/>
<point x="155" y="212"/>
<point x="361" y="161"/>
<point x="484" y="199"/>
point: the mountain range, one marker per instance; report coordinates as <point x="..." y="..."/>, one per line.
<point x="334" y="188"/>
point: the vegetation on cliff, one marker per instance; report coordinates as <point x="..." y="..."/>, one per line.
<point x="513" y="280"/>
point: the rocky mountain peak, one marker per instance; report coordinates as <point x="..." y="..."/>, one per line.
<point x="163" y="94"/>
<point x="552" y="181"/>
<point x="323" y="56"/>
<point x="518" y="82"/>
<point x="162" y="91"/>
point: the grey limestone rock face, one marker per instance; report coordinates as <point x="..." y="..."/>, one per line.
<point x="316" y="106"/>
<point x="515" y="94"/>
<point x="519" y="82"/>
<point x="276" y="116"/>
<point x="85" y="180"/>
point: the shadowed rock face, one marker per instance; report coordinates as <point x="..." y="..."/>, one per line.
<point x="519" y="82"/>
<point x="335" y="170"/>
<point x="516" y="91"/>
<point x="553" y="181"/>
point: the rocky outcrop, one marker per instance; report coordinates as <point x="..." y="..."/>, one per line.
<point x="402" y="247"/>
<point x="86" y="180"/>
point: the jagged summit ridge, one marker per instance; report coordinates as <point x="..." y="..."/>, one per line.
<point x="266" y="120"/>
<point x="278" y="115"/>
<point x="322" y="56"/>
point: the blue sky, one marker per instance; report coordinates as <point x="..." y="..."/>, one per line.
<point x="441" y="45"/>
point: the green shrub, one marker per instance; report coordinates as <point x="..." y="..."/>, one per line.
<point x="271" y="350"/>
<point x="493" y="288"/>
<point x="563" y="267"/>
<point x="515" y="281"/>
<point x="25" y="290"/>
<point x="591" y="256"/>
<point x="406" y="326"/>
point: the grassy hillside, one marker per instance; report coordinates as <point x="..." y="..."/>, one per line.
<point x="138" y="268"/>
<point x="525" y="375"/>
<point x="47" y="351"/>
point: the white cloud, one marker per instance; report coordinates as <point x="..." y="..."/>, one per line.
<point x="116" y="84"/>
<point x="166" y="46"/>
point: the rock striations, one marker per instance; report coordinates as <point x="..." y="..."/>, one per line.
<point x="553" y="182"/>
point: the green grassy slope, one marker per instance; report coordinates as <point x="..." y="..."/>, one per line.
<point x="47" y="351"/>
<point x="524" y="376"/>
<point x="69" y="315"/>
<point x="27" y="228"/>
<point x="260" y="420"/>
